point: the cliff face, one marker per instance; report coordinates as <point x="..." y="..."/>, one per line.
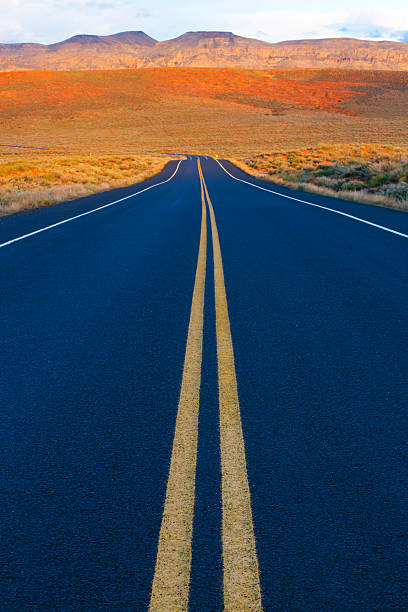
<point x="202" y="49"/>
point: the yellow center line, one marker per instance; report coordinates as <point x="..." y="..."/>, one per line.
<point x="241" y="572"/>
<point x="171" y="582"/>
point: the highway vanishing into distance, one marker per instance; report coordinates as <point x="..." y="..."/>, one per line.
<point x="204" y="396"/>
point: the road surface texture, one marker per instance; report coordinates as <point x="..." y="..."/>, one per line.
<point x="203" y="400"/>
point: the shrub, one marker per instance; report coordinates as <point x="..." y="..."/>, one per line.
<point x="359" y="172"/>
<point x="353" y="185"/>
<point x="25" y="186"/>
<point x="377" y="180"/>
<point x="398" y="192"/>
<point x="404" y="174"/>
<point x="375" y="174"/>
<point x="325" y="171"/>
<point x="330" y="183"/>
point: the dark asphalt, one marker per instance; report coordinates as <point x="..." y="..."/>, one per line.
<point x="94" y="317"/>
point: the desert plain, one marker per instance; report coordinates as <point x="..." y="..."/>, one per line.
<point x="68" y="133"/>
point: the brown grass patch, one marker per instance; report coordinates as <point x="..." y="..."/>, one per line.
<point x="359" y="172"/>
<point x="230" y="112"/>
<point x="27" y="184"/>
<point x="192" y="110"/>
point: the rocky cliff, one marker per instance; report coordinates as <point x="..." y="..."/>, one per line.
<point x="202" y="49"/>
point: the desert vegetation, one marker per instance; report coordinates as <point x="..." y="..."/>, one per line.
<point x="44" y="180"/>
<point x="366" y="173"/>
<point x="142" y="114"/>
<point x="192" y="110"/>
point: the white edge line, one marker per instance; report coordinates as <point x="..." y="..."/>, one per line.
<point x="44" y="229"/>
<point x="338" y="212"/>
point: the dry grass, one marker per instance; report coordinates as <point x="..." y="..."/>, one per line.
<point x="233" y="113"/>
<point x="363" y="173"/>
<point x="44" y="180"/>
<point x="190" y="110"/>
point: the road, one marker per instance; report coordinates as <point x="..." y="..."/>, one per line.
<point x="204" y="393"/>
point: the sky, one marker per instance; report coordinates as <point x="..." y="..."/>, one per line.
<point x="47" y="21"/>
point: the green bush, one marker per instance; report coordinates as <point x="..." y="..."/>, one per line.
<point x="353" y="185"/>
<point x="377" y="180"/>
<point x="325" y="171"/>
<point x="398" y="192"/>
<point x="358" y="172"/>
<point x="404" y="174"/>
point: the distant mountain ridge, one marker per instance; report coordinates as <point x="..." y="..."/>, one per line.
<point x="139" y="39"/>
<point x="201" y="49"/>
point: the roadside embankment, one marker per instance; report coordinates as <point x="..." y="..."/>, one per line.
<point x="41" y="180"/>
<point x="363" y="173"/>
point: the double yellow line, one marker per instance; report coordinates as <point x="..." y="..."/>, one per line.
<point x="171" y="582"/>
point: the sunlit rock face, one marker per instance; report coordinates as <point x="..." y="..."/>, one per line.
<point x="202" y="49"/>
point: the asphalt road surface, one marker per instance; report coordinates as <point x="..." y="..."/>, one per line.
<point x="204" y="400"/>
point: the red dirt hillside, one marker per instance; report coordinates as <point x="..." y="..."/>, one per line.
<point x="250" y="88"/>
<point x="227" y="111"/>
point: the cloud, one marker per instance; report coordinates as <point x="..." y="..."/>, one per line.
<point x="280" y="25"/>
<point x="99" y="5"/>
<point x="374" y="26"/>
<point x="48" y="21"/>
<point x="54" y="20"/>
<point x="276" y="26"/>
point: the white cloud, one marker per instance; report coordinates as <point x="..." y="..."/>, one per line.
<point x="288" y="25"/>
<point x="48" y="21"/>
<point x="375" y="25"/>
<point x="53" y="20"/>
